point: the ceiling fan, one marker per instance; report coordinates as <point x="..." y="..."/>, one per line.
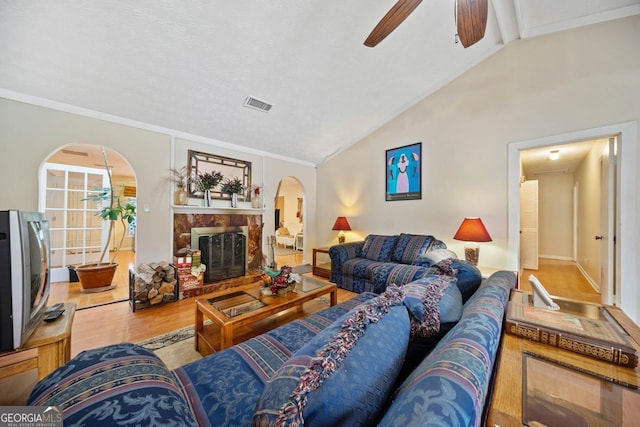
<point x="471" y="19"/>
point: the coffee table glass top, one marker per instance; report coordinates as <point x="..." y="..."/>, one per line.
<point x="309" y="284"/>
<point x="245" y="301"/>
<point x="235" y="304"/>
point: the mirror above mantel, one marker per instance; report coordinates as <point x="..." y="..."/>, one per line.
<point x="199" y="163"/>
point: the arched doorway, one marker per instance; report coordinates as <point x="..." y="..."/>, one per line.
<point x="77" y="234"/>
<point x="289" y="222"/>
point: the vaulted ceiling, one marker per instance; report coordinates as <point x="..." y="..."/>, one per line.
<point x="189" y="66"/>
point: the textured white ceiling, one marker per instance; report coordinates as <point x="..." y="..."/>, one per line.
<point x="188" y="66"/>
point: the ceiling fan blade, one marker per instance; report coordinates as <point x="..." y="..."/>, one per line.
<point x="391" y="20"/>
<point x="471" y="16"/>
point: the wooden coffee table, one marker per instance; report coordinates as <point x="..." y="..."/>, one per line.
<point x="233" y="308"/>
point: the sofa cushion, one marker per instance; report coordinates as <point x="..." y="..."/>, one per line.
<point x="410" y="246"/>
<point x="431" y="301"/>
<point x="113" y="385"/>
<point x="334" y="380"/>
<point x="451" y="385"/>
<point x="468" y="275"/>
<point x="378" y="248"/>
<point x="398" y="274"/>
<point x="359" y="267"/>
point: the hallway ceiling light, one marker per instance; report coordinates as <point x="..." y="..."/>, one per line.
<point x="554" y="155"/>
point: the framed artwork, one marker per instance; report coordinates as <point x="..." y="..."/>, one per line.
<point x="403" y="168"/>
<point x="230" y="168"/>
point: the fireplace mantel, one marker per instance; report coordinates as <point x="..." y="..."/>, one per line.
<point x="215" y="210"/>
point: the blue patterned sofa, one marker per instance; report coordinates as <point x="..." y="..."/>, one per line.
<point x="372" y="264"/>
<point x="315" y="371"/>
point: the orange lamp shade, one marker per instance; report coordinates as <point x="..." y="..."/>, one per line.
<point x="472" y="230"/>
<point x="341" y="225"/>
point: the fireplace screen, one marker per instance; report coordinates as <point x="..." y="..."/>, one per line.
<point x="223" y="250"/>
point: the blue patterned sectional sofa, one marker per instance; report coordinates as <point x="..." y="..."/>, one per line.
<point x="384" y="360"/>
<point x="372" y="264"/>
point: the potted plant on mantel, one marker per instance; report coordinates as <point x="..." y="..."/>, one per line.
<point x="205" y="182"/>
<point x="98" y="277"/>
<point x="233" y="187"/>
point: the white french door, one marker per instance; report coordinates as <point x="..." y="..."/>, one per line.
<point x="77" y="233"/>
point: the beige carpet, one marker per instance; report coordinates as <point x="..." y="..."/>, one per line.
<point x="175" y="348"/>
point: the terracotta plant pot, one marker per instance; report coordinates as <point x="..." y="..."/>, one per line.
<point x="95" y="277"/>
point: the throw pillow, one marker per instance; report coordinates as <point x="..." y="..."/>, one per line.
<point x="284" y="231"/>
<point x="434" y="256"/>
<point x="343" y="376"/>
<point x="468" y="275"/>
<point x="378" y="248"/>
<point x="411" y="246"/>
<point x="431" y="301"/>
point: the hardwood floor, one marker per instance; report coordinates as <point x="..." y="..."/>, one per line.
<point x="72" y="291"/>
<point x="561" y="278"/>
<point x="114" y="323"/>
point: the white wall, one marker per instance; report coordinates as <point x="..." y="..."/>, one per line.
<point x="29" y="134"/>
<point x="549" y="85"/>
<point x="589" y="201"/>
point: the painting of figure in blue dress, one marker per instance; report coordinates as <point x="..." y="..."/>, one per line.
<point x="404" y="172"/>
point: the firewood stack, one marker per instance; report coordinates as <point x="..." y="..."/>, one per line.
<point x="154" y="283"/>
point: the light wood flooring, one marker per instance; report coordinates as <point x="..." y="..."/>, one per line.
<point x="114" y="323"/>
<point x="562" y="279"/>
<point x="72" y="291"/>
<point x="107" y="322"/>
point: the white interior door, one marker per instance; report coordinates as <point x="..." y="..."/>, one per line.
<point x="529" y="225"/>
<point x="607" y="223"/>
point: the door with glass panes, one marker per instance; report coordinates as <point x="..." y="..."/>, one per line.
<point x="77" y="232"/>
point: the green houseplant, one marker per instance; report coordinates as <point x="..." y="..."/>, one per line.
<point x="205" y="182"/>
<point x="97" y="277"/>
<point x="232" y="187"/>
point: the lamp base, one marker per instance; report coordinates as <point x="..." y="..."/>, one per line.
<point x="341" y="237"/>
<point x="472" y="252"/>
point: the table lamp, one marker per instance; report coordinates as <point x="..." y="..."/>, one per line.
<point x="342" y="225"/>
<point x="472" y="230"/>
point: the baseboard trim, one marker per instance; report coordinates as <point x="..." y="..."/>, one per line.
<point x="588" y="278"/>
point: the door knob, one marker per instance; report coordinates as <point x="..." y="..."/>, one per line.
<point x="599" y="237"/>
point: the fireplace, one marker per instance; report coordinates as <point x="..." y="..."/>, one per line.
<point x="224" y="251"/>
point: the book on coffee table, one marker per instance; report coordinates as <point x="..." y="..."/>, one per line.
<point x="597" y="336"/>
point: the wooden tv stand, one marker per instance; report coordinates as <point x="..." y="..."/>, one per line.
<point x="48" y="348"/>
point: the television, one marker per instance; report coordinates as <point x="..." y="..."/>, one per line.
<point x="24" y="275"/>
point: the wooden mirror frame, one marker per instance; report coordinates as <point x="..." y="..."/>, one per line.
<point x="199" y="162"/>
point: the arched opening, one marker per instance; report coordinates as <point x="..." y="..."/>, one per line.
<point x="289" y="223"/>
<point x="77" y="234"/>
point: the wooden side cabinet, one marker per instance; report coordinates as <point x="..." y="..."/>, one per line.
<point x="321" y="262"/>
<point x="48" y="348"/>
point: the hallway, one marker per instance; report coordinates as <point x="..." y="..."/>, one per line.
<point x="562" y="279"/>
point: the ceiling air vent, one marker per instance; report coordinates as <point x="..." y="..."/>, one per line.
<point x="256" y="104"/>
